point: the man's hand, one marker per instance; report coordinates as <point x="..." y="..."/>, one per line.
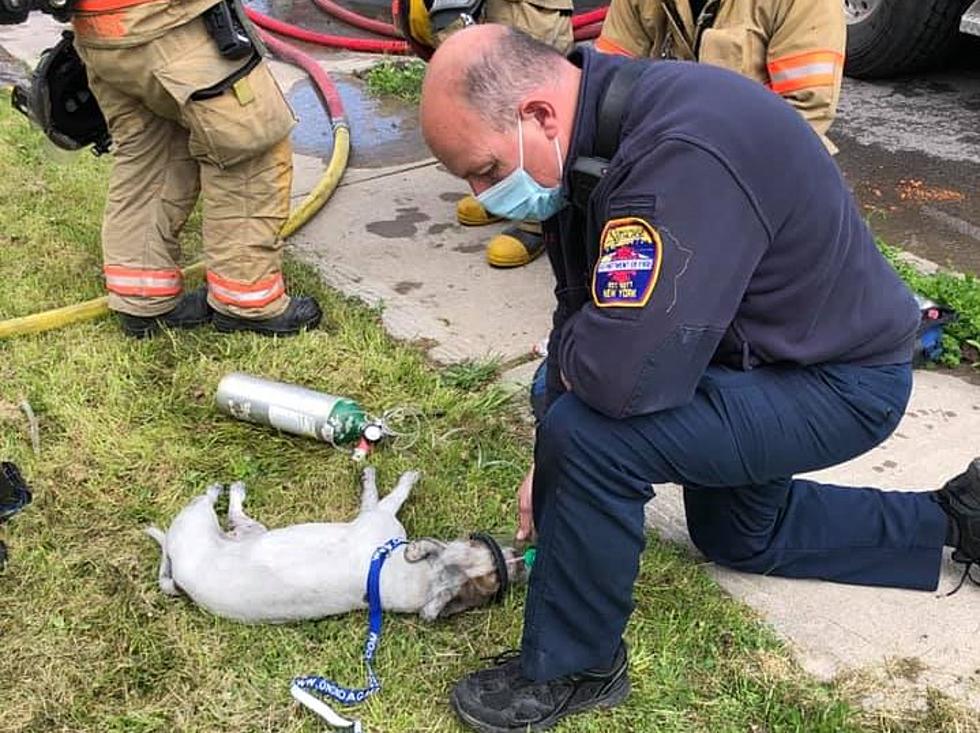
<point x="525" y="529"/>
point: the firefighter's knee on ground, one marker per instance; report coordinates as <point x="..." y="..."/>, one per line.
<point x="725" y="533"/>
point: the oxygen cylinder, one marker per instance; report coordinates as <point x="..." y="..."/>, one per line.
<point x="292" y="409"/>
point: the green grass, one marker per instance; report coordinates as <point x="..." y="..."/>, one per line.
<point x="401" y="79"/>
<point x="470" y="375"/>
<point x="961" y="338"/>
<point x="129" y="433"/>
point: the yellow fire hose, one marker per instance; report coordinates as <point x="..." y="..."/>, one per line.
<point x="92" y="309"/>
<point x="316" y="198"/>
<point x="310" y="205"/>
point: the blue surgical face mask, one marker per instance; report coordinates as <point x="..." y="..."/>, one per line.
<point x="519" y="196"/>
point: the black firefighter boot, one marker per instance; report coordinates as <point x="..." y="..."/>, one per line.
<point x="960" y="498"/>
<point x="191" y="310"/>
<point x="303" y="312"/>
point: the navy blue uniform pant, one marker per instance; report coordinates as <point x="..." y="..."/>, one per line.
<point x="735" y="449"/>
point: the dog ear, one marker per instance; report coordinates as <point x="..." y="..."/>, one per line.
<point x="475" y="592"/>
<point x="433" y="607"/>
<point x="445" y="587"/>
<point x="422" y="549"/>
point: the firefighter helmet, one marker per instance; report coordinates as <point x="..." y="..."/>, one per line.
<point x="421" y="21"/>
<point x="57" y="99"/>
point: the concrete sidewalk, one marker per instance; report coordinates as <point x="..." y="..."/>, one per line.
<point x="389" y="237"/>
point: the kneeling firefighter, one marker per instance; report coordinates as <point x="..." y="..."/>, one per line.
<point x="427" y="23"/>
<point x="182" y="90"/>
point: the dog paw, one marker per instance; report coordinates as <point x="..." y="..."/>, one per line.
<point x="213" y="492"/>
<point x="237" y="489"/>
<point x="168" y="587"/>
<point x="409" y="478"/>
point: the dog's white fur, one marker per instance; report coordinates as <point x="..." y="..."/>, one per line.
<point x="308" y="571"/>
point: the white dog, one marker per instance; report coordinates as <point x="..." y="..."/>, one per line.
<point x="308" y="571"/>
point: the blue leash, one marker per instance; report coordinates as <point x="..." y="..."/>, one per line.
<point x="351" y="696"/>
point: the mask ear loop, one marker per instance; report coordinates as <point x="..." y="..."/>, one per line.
<point x="520" y="149"/>
<point x="520" y="141"/>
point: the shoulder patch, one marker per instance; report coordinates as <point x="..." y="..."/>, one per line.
<point x="630" y="255"/>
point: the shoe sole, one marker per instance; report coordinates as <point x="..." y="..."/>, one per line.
<point x="188" y="324"/>
<point x="156" y="328"/>
<point x="504" y="262"/>
<point x="613" y="698"/>
<point x="222" y="327"/>
<point x="516" y="262"/>
<point x="507" y="263"/>
<point x="468" y="222"/>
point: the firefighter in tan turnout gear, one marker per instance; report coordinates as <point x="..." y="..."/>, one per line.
<point x="192" y="108"/>
<point x="427" y="23"/>
<point x="794" y="47"/>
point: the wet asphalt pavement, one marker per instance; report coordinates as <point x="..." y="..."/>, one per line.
<point x="911" y="150"/>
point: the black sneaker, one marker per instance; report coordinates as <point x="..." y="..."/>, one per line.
<point x="192" y="310"/>
<point x="500" y="700"/>
<point x="303" y="312"/>
<point x="960" y="498"/>
<point x="15" y="494"/>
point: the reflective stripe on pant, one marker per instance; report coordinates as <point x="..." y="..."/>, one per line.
<point x="734" y="448"/>
<point x="168" y="147"/>
<point x="245" y="295"/>
<point x="143" y="283"/>
<point x="152" y="190"/>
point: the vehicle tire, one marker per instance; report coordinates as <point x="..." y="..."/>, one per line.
<point x="891" y="37"/>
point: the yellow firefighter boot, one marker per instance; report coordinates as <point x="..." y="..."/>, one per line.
<point x="470" y="212"/>
<point x="516" y="246"/>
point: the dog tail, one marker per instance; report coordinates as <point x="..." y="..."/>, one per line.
<point x="157" y="534"/>
<point x="164" y="575"/>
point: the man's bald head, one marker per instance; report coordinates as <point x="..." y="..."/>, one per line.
<point x="480" y="80"/>
<point x="492" y="67"/>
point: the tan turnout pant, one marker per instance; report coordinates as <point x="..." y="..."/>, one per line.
<point x="550" y="21"/>
<point x="172" y="143"/>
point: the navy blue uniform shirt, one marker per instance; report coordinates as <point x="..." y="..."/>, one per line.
<point x="722" y="232"/>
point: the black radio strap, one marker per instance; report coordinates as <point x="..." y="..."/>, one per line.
<point x="588" y="170"/>
<point x="612" y="108"/>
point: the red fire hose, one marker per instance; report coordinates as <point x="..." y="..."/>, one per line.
<point x="357" y="20"/>
<point x="587" y="26"/>
<point x="593" y="16"/>
<point x="324" y="85"/>
<point x="381" y="28"/>
<point x="587" y="32"/>
<point x="368" y="45"/>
